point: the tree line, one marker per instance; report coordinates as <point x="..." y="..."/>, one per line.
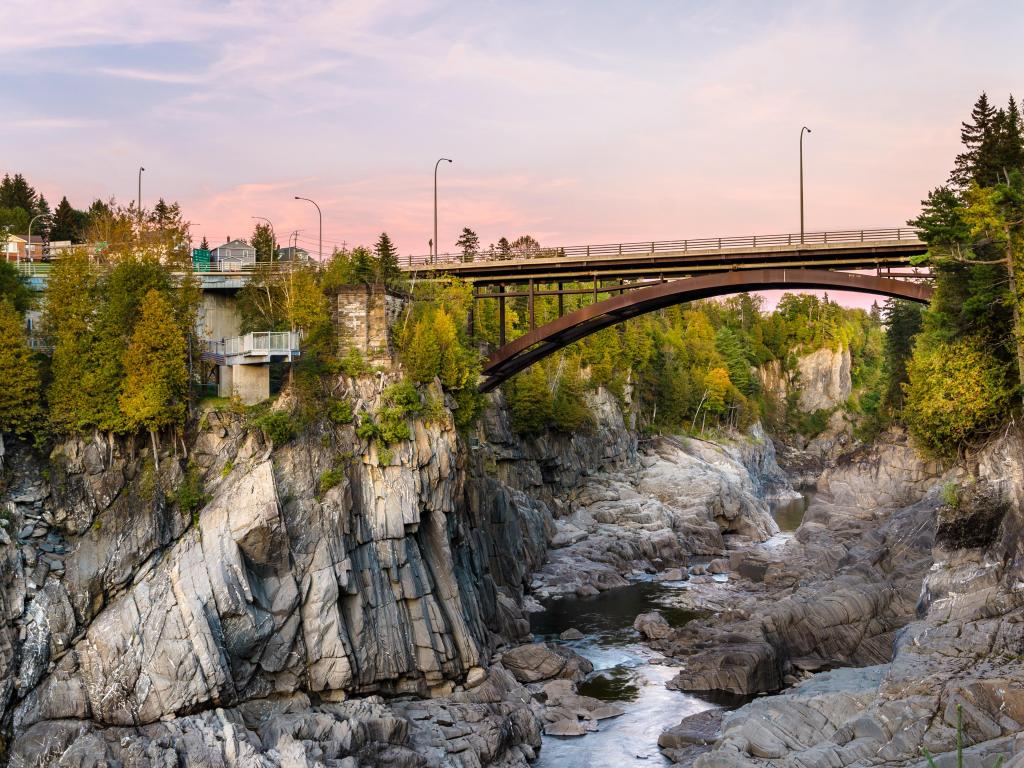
<point x="965" y="365"/>
<point x="20" y="202"/>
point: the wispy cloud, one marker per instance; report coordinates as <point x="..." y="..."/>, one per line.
<point x="578" y="121"/>
<point x="149" y="76"/>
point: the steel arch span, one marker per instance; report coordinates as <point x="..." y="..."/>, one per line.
<point x="520" y="353"/>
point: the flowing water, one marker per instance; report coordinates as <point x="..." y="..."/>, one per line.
<point x="625" y="671"/>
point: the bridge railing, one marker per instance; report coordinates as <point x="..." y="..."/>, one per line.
<point x="654" y="247"/>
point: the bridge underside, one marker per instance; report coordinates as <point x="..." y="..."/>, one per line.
<point x="547" y="339"/>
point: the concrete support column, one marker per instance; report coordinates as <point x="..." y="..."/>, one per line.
<point x="250" y="383"/>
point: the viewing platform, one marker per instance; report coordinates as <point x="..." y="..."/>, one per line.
<point x="253" y="348"/>
<point x="243" y="362"/>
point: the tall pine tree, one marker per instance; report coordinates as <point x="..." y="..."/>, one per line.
<point x="21" y="411"/>
<point x="976" y="136"/>
<point x="156" y="375"/>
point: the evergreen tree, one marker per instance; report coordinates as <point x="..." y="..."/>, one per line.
<point x="99" y="210"/>
<point x="903" y="321"/>
<point x="13" y="288"/>
<point x="72" y="294"/>
<point x="529" y="398"/>
<point x="21" y="410"/>
<point x="156" y="376"/>
<point x="387" y="269"/>
<point x="976" y="137"/>
<point x="15" y="192"/>
<point x="67" y="222"/>
<point x="504" y="248"/>
<point x="263" y="241"/>
<point x="204" y="244"/>
<point x="469" y="243"/>
<point x="729" y="346"/>
<point x="1007" y="143"/>
<point x="362" y="268"/>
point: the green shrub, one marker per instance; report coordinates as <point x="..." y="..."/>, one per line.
<point x="353" y="364"/>
<point x="277" y="426"/>
<point x="955" y="392"/>
<point x="329" y="479"/>
<point x="950" y="494"/>
<point x="399" y="403"/>
<point x="810" y="425"/>
<point x="190" y="496"/>
<point x="367" y="429"/>
<point x="339" y="411"/>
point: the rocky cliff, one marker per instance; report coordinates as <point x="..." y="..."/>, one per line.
<point x="324" y="600"/>
<point x="137" y="628"/>
<point x="924" y="599"/>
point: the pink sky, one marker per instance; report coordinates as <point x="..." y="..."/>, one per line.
<point x="575" y="122"/>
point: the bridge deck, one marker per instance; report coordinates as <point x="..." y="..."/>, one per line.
<point x="851" y="249"/>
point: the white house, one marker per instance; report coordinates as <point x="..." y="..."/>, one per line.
<point x="234" y="254"/>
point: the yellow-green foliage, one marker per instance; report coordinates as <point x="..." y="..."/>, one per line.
<point x="20" y="395"/>
<point x="93" y="305"/>
<point x="432" y="345"/>
<point x="956" y="390"/>
<point x="156" y="381"/>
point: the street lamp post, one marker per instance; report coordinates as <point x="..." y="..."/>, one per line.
<point x="273" y="235"/>
<point x="437" y="245"/>
<point x="28" y="245"/>
<point x="808" y="130"/>
<point x="321" y="215"/>
<point x="139" y="201"/>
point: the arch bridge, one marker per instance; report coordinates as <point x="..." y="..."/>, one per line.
<point x="641" y="277"/>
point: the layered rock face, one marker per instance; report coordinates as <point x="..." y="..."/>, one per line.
<point x="960" y="658"/>
<point x="308" y="574"/>
<point x="834" y="595"/>
<point x="687" y="497"/>
<point x="824" y="379"/>
<point x="821" y="380"/>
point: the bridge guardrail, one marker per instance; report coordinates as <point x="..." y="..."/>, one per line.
<point x="654" y="247"/>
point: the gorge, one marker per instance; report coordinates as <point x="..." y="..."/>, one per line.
<point x="317" y="603"/>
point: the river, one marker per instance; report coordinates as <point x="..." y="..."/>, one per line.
<point x="626" y="671"/>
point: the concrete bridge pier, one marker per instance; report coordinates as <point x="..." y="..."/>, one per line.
<point x="250" y="383"/>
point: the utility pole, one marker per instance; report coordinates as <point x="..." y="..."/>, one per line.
<point x="437" y="245"/>
<point x="320" y="214"/>
<point x="805" y="128"/>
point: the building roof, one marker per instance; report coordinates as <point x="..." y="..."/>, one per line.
<point x="232" y="244"/>
<point x="289" y="252"/>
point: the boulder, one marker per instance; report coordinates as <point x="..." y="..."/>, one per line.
<point x="536" y="662"/>
<point x="652" y="625"/>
